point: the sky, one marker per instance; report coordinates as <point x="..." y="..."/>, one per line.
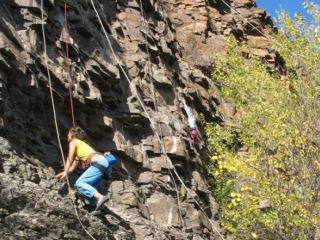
<point x="291" y="6"/>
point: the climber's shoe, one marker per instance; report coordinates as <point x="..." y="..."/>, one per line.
<point x="101" y="202"/>
<point x="95" y="213"/>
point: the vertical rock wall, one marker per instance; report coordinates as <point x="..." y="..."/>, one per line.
<point x="167" y="48"/>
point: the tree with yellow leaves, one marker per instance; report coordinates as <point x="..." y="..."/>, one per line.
<point x="266" y="167"/>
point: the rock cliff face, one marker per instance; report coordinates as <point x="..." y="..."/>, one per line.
<point x="167" y="48"/>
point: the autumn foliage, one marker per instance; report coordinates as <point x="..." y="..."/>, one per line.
<point x="266" y="165"/>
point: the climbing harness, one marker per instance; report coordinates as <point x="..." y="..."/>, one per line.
<point x="111" y="159"/>
<point x="55" y="119"/>
<point x="134" y="91"/>
<point x="169" y="162"/>
<point x="103" y="169"/>
<point x="85" y="163"/>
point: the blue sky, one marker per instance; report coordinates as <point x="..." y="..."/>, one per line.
<point x="291" y="6"/>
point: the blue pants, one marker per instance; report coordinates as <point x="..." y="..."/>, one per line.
<point x="87" y="182"/>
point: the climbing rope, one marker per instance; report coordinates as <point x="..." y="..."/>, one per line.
<point x="55" y="117"/>
<point x="192" y="57"/>
<point x="150" y="75"/>
<point x="68" y="72"/>
<point x="134" y="91"/>
<point x="157" y="110"/>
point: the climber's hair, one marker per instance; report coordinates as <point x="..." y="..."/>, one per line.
<point x="78" y="132"/>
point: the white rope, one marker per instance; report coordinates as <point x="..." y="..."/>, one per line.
<point x="157" y="110"/>
<point x="134" y="91"/>
<point x="55" y="117"/>
<point x="149" y="58"/>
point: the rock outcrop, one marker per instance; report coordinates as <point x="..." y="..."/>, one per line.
<point x="167" y="49"/>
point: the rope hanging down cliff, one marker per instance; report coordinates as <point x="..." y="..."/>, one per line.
<point x="55" y="116"/>
<point x="65" y="33"/>
<point x="134" y="91"/>
<point x="151" y="79"/>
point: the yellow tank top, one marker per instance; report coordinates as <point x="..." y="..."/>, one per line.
<point x="83" y="150"/>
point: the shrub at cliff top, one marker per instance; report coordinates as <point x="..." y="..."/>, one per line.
<point x="266" y="167"/>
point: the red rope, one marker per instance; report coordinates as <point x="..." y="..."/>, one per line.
<point x="68" y="63"/>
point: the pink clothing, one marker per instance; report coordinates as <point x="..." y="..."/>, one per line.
<point x="193" y="135"/>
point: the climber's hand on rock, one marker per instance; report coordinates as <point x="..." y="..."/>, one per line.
<point x="62" y="175"/>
